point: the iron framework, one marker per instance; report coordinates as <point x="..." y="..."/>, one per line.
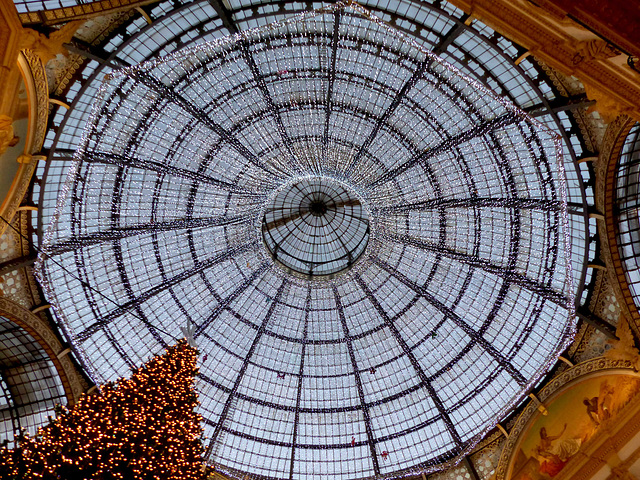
<point x="458" y="217"/>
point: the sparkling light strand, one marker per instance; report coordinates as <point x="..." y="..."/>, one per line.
<point x="465" y="193"/>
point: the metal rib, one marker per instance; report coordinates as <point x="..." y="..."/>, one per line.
<point x="243" y="368"/>
<point x="480" y="202"/>
<point x="490" y="349"/>
<point x="299" y="389"/>
<point x="162" y="168"/>
<point x="484" y="265"/>
<point x="170" y="94"/>
<point x="446" y="145"/>
<point x="414" y="362"/>
<point x="143" y="297"/>
<point x="354" y="365"/>
<point x="388" y="112"/>
<point x="275" y="112"/>
<point x="118" y="233"/>
<point x="332" y="78"/>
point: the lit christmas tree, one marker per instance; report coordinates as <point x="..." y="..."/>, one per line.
<point x="144" y="427"/>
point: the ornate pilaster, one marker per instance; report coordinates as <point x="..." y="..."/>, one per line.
<point x="31" y="68"/>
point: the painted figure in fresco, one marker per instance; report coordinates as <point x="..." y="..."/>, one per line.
<point x="546" y="441"/>
<point x="599" y="408"/>
<point x="592" y="409"/>
<point x="551" y="463"/>
<point x="606" y="400"/>
<point x="548" y="449"/>
<point x="554" y="454"/>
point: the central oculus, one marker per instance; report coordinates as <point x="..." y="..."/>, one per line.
<point x="315" y="226"/>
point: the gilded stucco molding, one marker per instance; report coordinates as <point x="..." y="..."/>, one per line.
<point x="41" y="90"/>
<point x="604" y="199"/>
<point x="49" y="46"/>
<point x="35" y="81"/>
<point x="95" y="31"/>
<point x="567" y="47"/>
<point x="18" y="285"/>
<point x="74" y="384"/>
<point x="600" y="364"/>
<point x="624" y="466"/>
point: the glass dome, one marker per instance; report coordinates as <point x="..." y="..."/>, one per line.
<point x="315" y="227"/>
<point x="432" y="211"/>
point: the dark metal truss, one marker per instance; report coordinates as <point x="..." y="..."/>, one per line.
<point x="116" y="232"/>
<point x="143" y="297"/>
<point x="414" y="362"/>
<point x="225" y="410"/>
<point x="455" y="318"/>
<point x="507" y="275"/>
<point x="356" y="372"/>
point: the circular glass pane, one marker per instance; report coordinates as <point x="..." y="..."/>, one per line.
<point x="315" y="227"/>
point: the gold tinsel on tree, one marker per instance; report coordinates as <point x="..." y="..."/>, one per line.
<point x="144" y="427"/>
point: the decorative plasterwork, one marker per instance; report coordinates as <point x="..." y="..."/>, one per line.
<point x="604" y="198"/>
<point x="35" y="81"/>
<point x="62" y="69"/>
<point x="592" y="126"/>
<point x="548" y="391"/>
<point x="41" y="99"/>
<point x="18" y="285"/>
<point x="589" y="342"/>
<point x="74" y="385"/>
<point x="619" y="471"/>
<point x="565" y="45"/>
<point x="623" y="348"/>
<point x="602" y="450"/>
<point x="614" y="20"/>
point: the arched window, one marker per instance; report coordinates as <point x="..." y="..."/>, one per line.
<point x="627" y="204"/>
<point x="30" y="386"/>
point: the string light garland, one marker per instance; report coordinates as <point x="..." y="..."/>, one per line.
<point x="436" y="299"/>
<point x="136" y="428"/>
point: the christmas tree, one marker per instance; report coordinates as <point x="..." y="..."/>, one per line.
<point x="144" y="427"/>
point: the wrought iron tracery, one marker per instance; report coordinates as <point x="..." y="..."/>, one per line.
<point x="462" y="230"/>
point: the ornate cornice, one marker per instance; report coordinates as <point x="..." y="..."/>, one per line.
<point x="568" y="47"/>
<point x="615" y="20"/>
<point x="82" y="11"/>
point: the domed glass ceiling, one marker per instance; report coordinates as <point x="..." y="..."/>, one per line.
<point x="315" y="226"/>
<point x="453" y="300"/>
